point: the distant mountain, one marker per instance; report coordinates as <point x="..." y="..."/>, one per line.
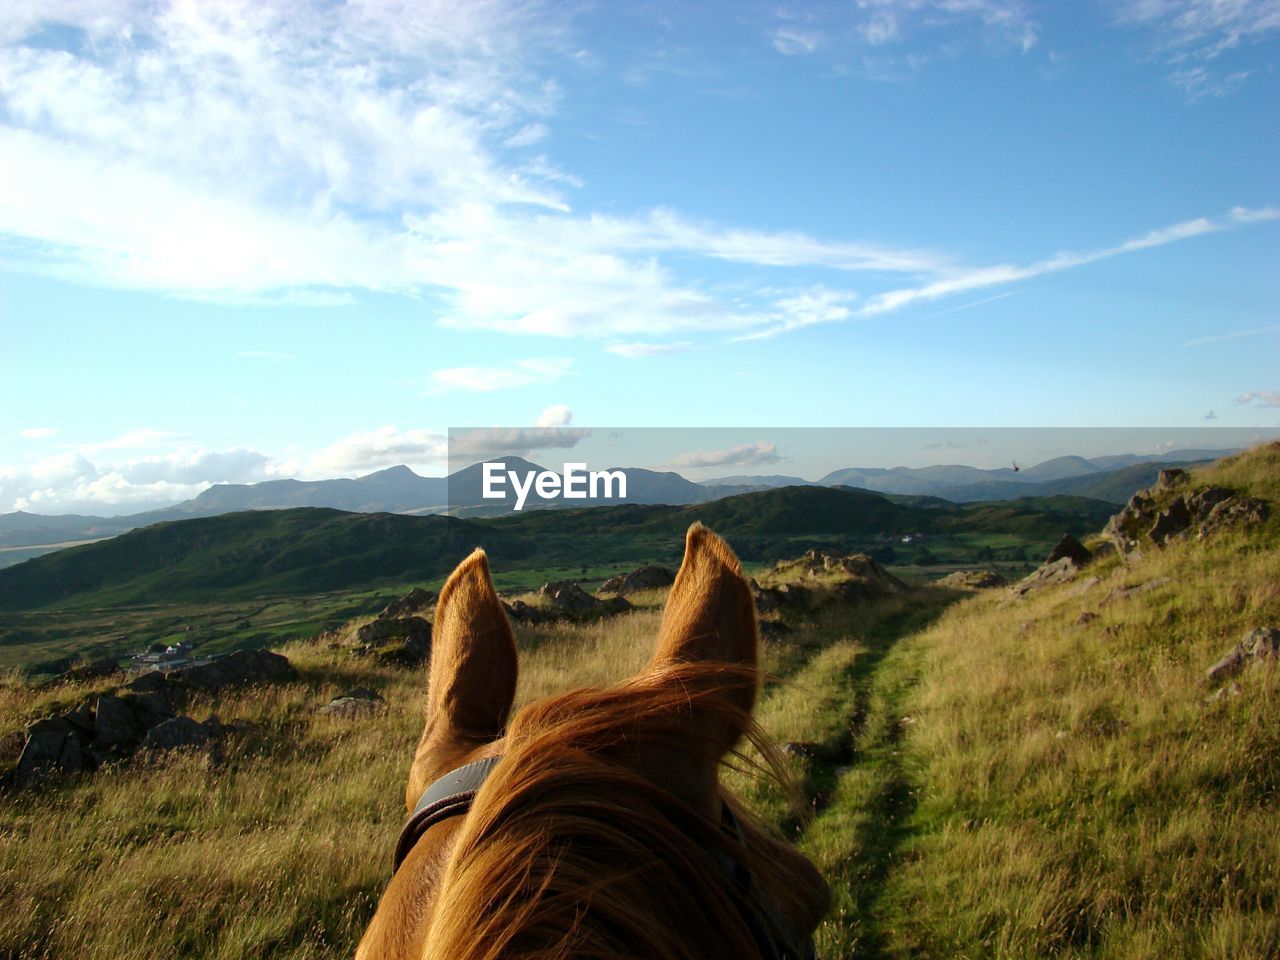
<point x="386" y="491"/>
<point x="762" y="482"/>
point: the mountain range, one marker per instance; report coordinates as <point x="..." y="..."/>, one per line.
<point x="399" y="490"/>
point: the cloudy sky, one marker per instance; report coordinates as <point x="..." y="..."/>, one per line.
<point x="263" y="239"/>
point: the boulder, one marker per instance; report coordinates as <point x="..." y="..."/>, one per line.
<point x="181" y="732"/>
<point x="115" y="725"/>
<point x="1170" y="522"/>
<point x="1060" y="571"/>
<point x="53" y="744"/>
<point x="648" y="577"/>
<point x="380" y="632"/>
<point x="352" y="707"/>
<point x="1260" y="645"/>
<point x="415" y="601"/>
<point x="520" y="612"/>
<point x="570" y="602"/>
<point x="241" y="668"/>
<point x="972" y="580"/>
<point x="1071" y="548"/>
<point x="1170" y="478"/>
<point x="93" y="670"/>
<point x="1231" y="512"/>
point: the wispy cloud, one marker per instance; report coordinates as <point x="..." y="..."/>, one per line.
<point x="370" y="450"/>
<point x="634" y="350"/>
<point x="1233" y="335"/>
<point x="535" y="370"/>
<point x="759" y="453"/>
<point x="38" y="433"/>
<point x="1002" y="274"/>
<point x="1260" y="398"/>
<point x="557" y="415"/>
<point x="1196" y="37"/>
<point x="468" y="446"/>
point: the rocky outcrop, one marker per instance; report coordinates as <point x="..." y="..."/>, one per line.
<point x="1157" y="516"/>
<point x="415" y="601"/>
<point x="1070" y="548"/>
<point x="1257" y="646"/>
<point x="111" y="726"/>
<point x="1063" y="570"/>
<point x="643" y="578"/>
<point x="403" y="641"/>
<point x="972" y="580"/>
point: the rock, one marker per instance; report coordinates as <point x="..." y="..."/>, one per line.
<point x="93" y="670"/>
<point x="771" y="630"/>
<point x="1087" y="616"/>
<point x="11" y="745"/>
<point x="1060" y="571"/>
<point x="52" y="744"/>
<point x="648" y="577"/>
<point x="241" y="668"/>
<point x="377" y="633"/>
<point x="115" y="725"/>
<point x="1234" y="511"/>
<point x="766" y="600"/>
<point x="1262" y="644"/>
<point x="149" y="709"/>
<point x="1170" y="478"/>
<point x="1120" y="593"/>
<point x="351" y="708"/>
<point x="570" y="602"/>
<point x="81" y="716"/>
<point x="415" y="601"/>
<point x="1070" y="548"/>
<point x="1170" y="522"/>
<point x="180" y="732"/>
<point x="520" y="612"/>
<point x="972" y="580"/>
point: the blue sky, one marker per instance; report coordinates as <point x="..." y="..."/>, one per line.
<point x="246" y="241"/>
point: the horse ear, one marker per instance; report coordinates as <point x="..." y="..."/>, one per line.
<point x="710" y="618"/>
<point x="473" y="657"/>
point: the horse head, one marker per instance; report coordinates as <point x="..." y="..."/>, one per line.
<point x="594" y="823"/>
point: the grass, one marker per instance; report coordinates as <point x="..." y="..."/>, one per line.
<point x="979" y="778"/>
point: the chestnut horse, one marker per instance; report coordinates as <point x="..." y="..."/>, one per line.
<point x="594" y="825"/>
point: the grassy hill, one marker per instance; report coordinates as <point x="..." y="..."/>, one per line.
<point x="985" y="777"/>
<point x="313" y="550"/>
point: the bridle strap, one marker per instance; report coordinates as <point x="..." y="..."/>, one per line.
<point x="450" y="796"/>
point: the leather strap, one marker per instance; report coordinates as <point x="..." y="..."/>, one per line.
<point x="450" y="796"/>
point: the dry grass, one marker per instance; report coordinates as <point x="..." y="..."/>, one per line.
<point x="988" y="781"/>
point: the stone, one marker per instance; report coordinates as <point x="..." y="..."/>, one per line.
<point x="380" y="632"/>
<point x="352" y="708"/>
<point x="649" y="577"/>
<point x="1171" y="521"/>
<point x="1233" y="512"/>
<point x="972" y="580"/>
<point x="415" y="601"/>
<point x="1087" y="616"/>
<point x="52" y="744"/>
<point x="1120" y="593"/>
<point x="1259" y="645"/>
<point x="114" y="723"/>
<point x="179" y="732"/>
<point x="93" y="670"/>
<point x="1071" y="548"/>
<point x="1063" y="570"/>
<point x="1170" y="478"/>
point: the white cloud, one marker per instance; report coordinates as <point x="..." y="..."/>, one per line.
<point x="755" y="454"/>
<point x="38" y="433"/>
<point x="535" y="370"/>
<point x="826" y="306"/>
<point x="1233" y="335"/>
<point x="469" y="446"/>
<point x="370" y="450"/>
<point x="1260" y="398"/>
<point x="557" y="415"/>
<point x="1196" y="37"/>
<point x="634" y="350"/>
<point x="791" y="41"/>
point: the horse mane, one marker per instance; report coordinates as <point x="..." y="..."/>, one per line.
<point x="570" y="851"/>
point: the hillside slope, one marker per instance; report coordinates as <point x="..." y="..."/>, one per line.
<point x="1056" y="776"/>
